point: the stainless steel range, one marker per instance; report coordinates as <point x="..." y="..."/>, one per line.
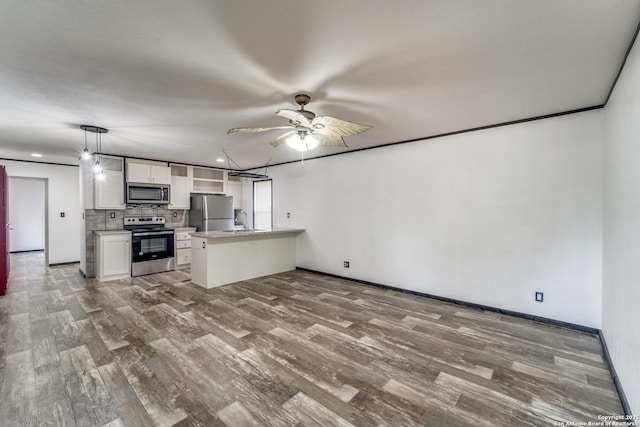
<point x="151" y="245"/>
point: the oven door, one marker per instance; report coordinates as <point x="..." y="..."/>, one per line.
<point x="151" y="245"/>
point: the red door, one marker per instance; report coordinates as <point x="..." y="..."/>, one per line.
<point x="4" y="230"/>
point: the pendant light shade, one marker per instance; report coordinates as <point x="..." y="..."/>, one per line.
<point x="86" y="155"/>
<point x="97" y="167"/>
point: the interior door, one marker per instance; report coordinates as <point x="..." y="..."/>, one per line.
<point x="4" y="230"/>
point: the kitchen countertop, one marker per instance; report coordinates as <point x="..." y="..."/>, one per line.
<point x="108" y="232"/>
<point x="242" y="233"/>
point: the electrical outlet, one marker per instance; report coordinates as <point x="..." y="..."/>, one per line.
<point x="112" y="215"/>
<point x="175" y="214"/>
<point x="61" y="214"/>
<point x="288" y="215"/>
<point x="346" y="264"/>
<point x="539" y="296"/>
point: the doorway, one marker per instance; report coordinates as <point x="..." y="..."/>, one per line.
<point x="28" y="215"/>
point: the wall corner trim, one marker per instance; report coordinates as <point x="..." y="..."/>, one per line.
<point x="614" y="375"/>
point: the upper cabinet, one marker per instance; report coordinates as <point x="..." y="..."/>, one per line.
<point x="194" y="179"/>
<point x="148" y="172"/>
<point x="207" y="180"/>
<point x="106" y="191"/>
<point x="180" y="187"/>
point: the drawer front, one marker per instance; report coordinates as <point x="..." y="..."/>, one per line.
<point x="183" y="256"/>
<point x="181" y="244"/>
<point x="183" y="235"/>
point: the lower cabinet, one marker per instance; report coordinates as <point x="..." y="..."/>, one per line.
<point x="183" y="246"/>
<point x="113" y="255"/>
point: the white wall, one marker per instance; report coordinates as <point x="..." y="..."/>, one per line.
<point x="63" y="196"/>
<point x="487" y="217"/>
<point x="26" y="214"/>
<point x="621" y="269"/>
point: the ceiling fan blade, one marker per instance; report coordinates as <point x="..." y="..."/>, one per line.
<point x="295" y="117"/>
<point x="256" y="129"/>
<point x="331" y="125"/>
<point x="282" y="138"/>
<point x="330" y="140"/>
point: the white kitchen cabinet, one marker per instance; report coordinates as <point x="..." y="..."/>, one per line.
<point x="106" y="192"/>
<point x="183" y="246"/>
<point x="208" y="180"/>
<point x="180" y="187"/>
<point x="113" y="255"/>
<point x="109" y="190"/>
<point x="234" y="188"/>
<point x="148" y="172"/>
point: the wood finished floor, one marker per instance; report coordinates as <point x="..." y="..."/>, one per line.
<point x="294" y="349"/>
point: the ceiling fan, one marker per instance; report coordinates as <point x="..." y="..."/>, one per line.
<point x="308" y="130"/>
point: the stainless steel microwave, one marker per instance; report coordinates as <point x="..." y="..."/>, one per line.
<point x="150" y="194"/>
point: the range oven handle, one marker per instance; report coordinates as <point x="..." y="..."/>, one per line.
<point x="153" y="233"/>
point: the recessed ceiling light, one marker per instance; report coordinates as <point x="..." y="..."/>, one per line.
<point x="36" y="155"/>
<point x="219" y="160"/>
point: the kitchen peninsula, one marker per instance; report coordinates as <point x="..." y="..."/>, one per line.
<point x="222" y="257"/>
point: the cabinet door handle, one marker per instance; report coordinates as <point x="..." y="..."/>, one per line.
<point x="203" y="245"/>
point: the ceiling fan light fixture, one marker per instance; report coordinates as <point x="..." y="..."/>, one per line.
<point x="302" y="141"/>
<point x="306" y="130"/>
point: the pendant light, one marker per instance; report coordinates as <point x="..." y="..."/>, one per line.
<point x="86" y="155"/>
<point x="97" y="166"/>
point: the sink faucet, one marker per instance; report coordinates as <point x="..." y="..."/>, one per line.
<point x="244" y="223"/>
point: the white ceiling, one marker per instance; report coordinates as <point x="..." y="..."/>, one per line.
<point x="168" y="78"/>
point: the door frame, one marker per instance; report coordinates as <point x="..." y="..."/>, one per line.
<point x="46" y="211"/>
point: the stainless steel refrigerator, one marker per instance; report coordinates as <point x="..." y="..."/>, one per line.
<point x="211" y="212"/>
